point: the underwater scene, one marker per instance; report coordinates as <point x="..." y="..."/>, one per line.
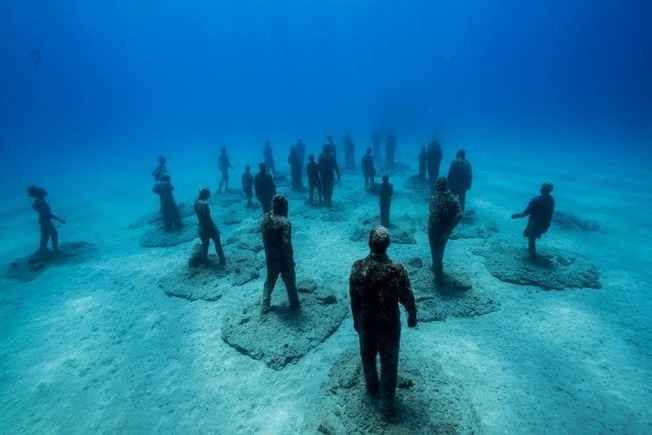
<point x="325" y="217"/>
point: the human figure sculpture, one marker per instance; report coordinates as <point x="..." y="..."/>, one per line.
<point x="423" y="164"/>
<point x="160" y="169"/>
<point x="296" y="170"/>
<point x="349" y="152"/>
<point x="540" y="211"/>
<point x="368" y="168"/>
<point x="376" y="286"/>
<point x="434" y="155"/>
<point x="460" y="177"/>
<point x="268" y="157"/>
<point x="248" y="185"/>
<point x="279" y="256"/>
<point x="376" y="139"/>
<point x="445" y="214"/>
<point x="45" y="216"/>
<point x="385" y="192"/>
<point x="171" y="216"/>
<point x="314" y="179"/>
<point x="327" y="169"/>
<point x="390" y="150"/>
<point x="301" y="151"/>
<point x="207" y="229"/>
<point x="223" y="164"/>
<point x="264" y="187"/>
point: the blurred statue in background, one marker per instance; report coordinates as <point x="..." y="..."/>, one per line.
<point x="327" y="169"/>
<point x="376" y="139"/>
<point x="45" y="216"/>
<point x="540" y="211"/>
<point x="160" y="169"/>
<point x="349" y="152"/>
<point x="314" y="180"/>
<point x="301" y="151"/>
<point x="223" y="164"/>
<point x="207" y="229"/>
<point x="368" y="168"/>
<point x="390" y="150"/>
<point x="171" y="216"/>
<point x="423" y="164"/>
<point x="268" y="157"/>
<point x="385" y="192"/>
<point x="265" y="188"/>
<point x="279" y="256"/>
<point x="296" y="170"/>
<point x="434" y="155"/>
<point x="248" y="185"/>
<point x="376" y="286"/>
<point x="445" y="214"/>
<point x="460" y="177"/>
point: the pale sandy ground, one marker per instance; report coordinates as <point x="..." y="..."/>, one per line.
<point x="98" y="348"/>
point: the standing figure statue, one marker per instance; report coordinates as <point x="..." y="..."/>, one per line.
<point x="268" y="158"/>
<point x="45" y="216"/>
<point x="460" y="177"/>
<point x="423" y="164"/>
<point x="248" y="185"/>
<point x="296" y="170"/>
<point x="331" y="144"/>
<point x="171" y="216"/>
<point x="368" y="168"/>
<point x="376" y="139"/>
<point x="223" y="164"/>
<point x="301" y="151"/>
<point x="385" y="192"/>
<point x="207" y="229"/>
<point x="279" y="256"/>
<point x="314" y="180"/>
<point x="445" y="214"/>
<point x="434" y="155"/>
<point x="349" y="152"/>
<point x="540" y="211"/>
<point x="327" y="170"/>
<point x="160" y="169"/>
<point x="390" y="150"/>
<point x="376" y="286"/>
<point x="265" y="188"/>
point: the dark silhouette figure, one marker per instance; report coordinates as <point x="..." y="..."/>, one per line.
<point x="45" y="216"/>
<point x="331" y="144"/>
<point x="301" y="151"/>
<point x="390" y="150"/>
<point x="279" y="257"/>
<point x="368" y="168"/>
<point x="376" y="139"/>
<point x="160" y="169"/>
<point x="349" y="152"/>
<point x="327" y="170"/>
<point x="460" y="177"/>
<point x="434" y="155"/>
<point x="248" y="185"/>
<point x="540" y="211"/>
<point x="445" y="214"/>
<point x="385" y="192"/>
<point x="207" y="229"/>
<point x="423" y="164"/>
<point x="171" y="216"/>
<point x="296" y="170"/>
<point x="314" y="180"/>
<point x="376" y="286"/>
<point x="268" y="157"/>
<point x="265" y="188"/>
<point x="223" y="164"/>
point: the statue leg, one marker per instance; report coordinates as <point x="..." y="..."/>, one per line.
<point x="218" y="246"/>
<point x="532" y="246"/>
<point x="368" y="351"/>
<point x="270" y="282"/>
<point x="389" y="372"/>
<point x="290" y="280"/>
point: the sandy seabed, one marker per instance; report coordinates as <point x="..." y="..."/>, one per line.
<point x="98" y="347"/>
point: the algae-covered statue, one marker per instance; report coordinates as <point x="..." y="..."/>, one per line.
<point x="368" y="168"/>
<point x="169" y="209"/>
<point x="207" y="229"/>
<point x="445" y="214"/>
<point x="376" y="286"/>
<point x="540" y="211"/>
<point x="265" y="188"/>
<point x="314" y="179"/>
<point x="45" y="216"/>
<point x="460" y="177"/>
<point x="385" y="192"/>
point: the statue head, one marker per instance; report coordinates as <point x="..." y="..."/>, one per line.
<point x="379" y="240"/>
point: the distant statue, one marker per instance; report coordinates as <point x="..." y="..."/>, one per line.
<point x="423" y="164"/>
<point x="268" y="157"/>
<point x="327" y="169"/>
<point x="301" y="151"/>
<point x="264" y="187"/>
<point x="171" y="216"/>
<point x="540" y="211"/>
<point x="349" y="152"/>
<point x="331" y="144"/>
<point x="368" y="168"/>
<point x="376" y="286"/>
<point x="279" y="256"/>
<point x="207" y="229"/>
<point x="296" y="170"/>
<point x="45" y="216"/>
<point x="35" y="57"/>
<point x="376" y="139"/>
<point x="385" y="192"/>
<point x="460" y="177"/>
<point x="314" y="179"/>
<point x="223" y="164"/>
<point x="434" y="155"/>
<point x="445" y="214"/>
<point x="248" y="185"/>
<point x="390" y="150"/>
<point x="160" y="169"/>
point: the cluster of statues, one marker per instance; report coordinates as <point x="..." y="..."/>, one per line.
<point x="377" y="284"/>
